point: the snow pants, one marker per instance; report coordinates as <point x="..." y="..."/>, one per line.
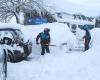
<point x="44" y="48"/>
<point x="87" y="41"/>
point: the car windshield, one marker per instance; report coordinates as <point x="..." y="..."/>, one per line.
<point x="6" y="34"/>
<point x="11" y="33"/>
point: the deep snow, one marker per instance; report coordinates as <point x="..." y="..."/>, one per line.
<point x="58" y="65"/>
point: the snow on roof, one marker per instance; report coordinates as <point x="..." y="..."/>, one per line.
<point x="10" y="25"/>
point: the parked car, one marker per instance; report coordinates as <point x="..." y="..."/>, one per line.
<point x="15" y="44"/>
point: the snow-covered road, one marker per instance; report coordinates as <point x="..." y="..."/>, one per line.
<point x="58" y="65"/>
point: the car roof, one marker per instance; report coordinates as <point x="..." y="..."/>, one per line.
<point x="9" y="26"/>
<point x="8" y="29"/>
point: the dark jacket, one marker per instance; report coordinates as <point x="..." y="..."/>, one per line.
<point x="87" y="35"/>
<point x="44" y="38"/>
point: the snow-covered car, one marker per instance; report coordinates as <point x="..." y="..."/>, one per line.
<point x="14" y="42"/>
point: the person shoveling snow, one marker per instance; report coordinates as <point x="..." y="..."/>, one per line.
<point x="44" y="40"/>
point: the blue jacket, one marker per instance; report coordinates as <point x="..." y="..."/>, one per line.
<point x="44" y="38"/>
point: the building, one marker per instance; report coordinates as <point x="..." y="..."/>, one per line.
<point x="75" y="21"/>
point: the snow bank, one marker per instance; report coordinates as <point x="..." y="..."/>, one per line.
<point x="59" y="65"/>
<point x="60" y="33"/>
<point x="95" y="37"/>
<point x="9" y="25"/>
<point x="63" y="66"/>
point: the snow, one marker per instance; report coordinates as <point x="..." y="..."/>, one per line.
<point x="95" y="38"/>
<point x="57" y="36"/>
<point x="81" y="22"/>
<point x="58" y="65"/>
<point x="1" y="61"/>
<point x="9" y="25"/>
<point x="1" y="54"/>
<point x="60" y="33"/>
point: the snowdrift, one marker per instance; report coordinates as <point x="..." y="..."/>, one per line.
<point x="61" y="66"/>
<point x="10" y="25"/>
<point x="95" y="37"/>
<point x="60" y="33"/>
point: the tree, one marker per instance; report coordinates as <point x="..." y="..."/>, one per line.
<point x="10" y="8"/>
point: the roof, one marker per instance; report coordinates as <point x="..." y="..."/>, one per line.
<point x="8" y="29"/>
<point x="9" y="26"/>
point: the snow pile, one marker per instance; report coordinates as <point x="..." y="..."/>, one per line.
<point x="9" y="25"/>
<point x="58" y="65"/>
<point x="95" y="37"/>
<point x="80" y="33"/>
<point x="60" y="33"/>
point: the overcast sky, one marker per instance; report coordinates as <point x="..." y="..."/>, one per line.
<point x="84" y="1"/>
<point x="86" y="7"/>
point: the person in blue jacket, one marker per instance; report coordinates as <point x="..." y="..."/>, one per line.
<point x="87" y="38"/>
<point x="44" y="38"/>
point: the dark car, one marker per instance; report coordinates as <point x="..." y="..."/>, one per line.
<point x="15" y="44"/>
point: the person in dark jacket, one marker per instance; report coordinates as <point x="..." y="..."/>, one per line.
<point x="87" y="38"/>
<point x="44" y="38"/>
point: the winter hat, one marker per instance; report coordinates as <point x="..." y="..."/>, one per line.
<point x="46" y="29"/>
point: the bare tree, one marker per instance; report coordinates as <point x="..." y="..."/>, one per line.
<point x="10" y="8"/>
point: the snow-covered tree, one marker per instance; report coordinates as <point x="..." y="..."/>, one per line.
<point x="10" y="8"/>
